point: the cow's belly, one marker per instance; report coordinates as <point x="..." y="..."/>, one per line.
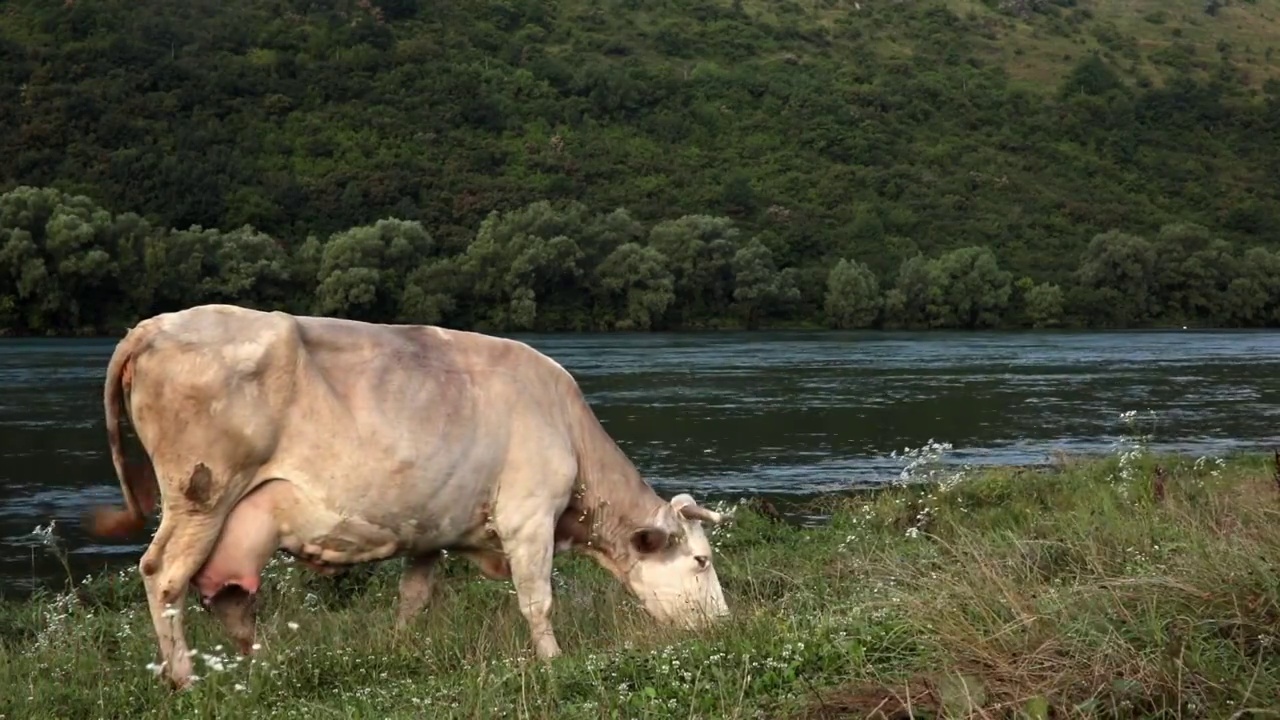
<point x="374" y="520"/>
<point x="280" y="514"/>
<point x="373" y="510"/>
<point x="315" y="531"/>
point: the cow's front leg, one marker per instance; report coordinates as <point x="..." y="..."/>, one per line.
<point x="530" y="546"/>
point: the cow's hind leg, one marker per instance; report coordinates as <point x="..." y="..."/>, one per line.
<point x="234" y="607"/>
<point x="181" y="544"/>
<point x="230" y="579"/>
<point x="416" y="583"/>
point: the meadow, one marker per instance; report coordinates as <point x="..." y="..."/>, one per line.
<point x="1124" y="586"/>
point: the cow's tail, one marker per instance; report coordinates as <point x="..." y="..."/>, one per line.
<point x="137" y="480"/>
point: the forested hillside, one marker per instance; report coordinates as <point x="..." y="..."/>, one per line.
<point x="615" y="164"/>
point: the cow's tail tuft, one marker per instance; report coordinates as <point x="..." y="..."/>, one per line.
<point x="137" y="480"/>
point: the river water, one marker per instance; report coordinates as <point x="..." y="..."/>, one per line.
<point x="722" y="415"/>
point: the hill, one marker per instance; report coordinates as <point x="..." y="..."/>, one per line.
<point x="1149" y="42"/>
<point x="941" y="163"/>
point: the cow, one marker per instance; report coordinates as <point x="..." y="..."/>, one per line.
<point x="343" y="442"/>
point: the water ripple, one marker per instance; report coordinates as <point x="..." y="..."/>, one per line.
<point x="732" y="413"/>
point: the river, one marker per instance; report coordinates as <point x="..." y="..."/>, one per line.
<point x="723" y="415"/>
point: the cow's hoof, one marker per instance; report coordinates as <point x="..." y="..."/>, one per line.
<point x="182" y="684"/>
<point x="249" y="648"/>
<point x="548" y="649"/>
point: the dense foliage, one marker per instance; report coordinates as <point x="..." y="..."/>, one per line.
<point x="852" y="164"/>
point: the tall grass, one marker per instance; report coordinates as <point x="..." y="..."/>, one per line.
<point x="1128" y="586"/>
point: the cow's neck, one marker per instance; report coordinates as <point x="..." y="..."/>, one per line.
<point x="610" y="502"/>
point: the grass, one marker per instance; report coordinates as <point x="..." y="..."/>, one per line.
<point x="1142" y="37"/>
<point x="1148" y="39"/>
<point x="1090" y="588"/>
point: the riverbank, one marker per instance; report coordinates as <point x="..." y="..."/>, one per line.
<point x="1124" y="587"/>
<point x="730" y="326"/>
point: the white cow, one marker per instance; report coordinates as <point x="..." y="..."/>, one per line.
<point x="344" y="442"/>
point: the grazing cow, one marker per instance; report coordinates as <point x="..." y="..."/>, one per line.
<point x="345" y="442"/>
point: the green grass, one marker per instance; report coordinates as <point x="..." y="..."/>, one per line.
<point x="1067" y="591"/>
<point x="1143" y="37"/>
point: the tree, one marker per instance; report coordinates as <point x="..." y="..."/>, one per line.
<point x="974" y="290"/>
<point x="57" y="259"/>
<point x="638" y="285"/>
<point x="520" y="257"/>
<point x="699" y="250"/>
<point x="249" y="268"/>
<point x="1253" y="297"/>
<point x="759" y="287"/>
<point x="1116" y="280"/>
<point x="916" y="299"/>
<point x="1042" y="303"/>
<point x="362" y="270"/>
<point x="431" y="292"/>
<point x="853" y="295"/>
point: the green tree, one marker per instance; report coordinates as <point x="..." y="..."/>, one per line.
<point x="1207" y="275"/>
<point x="638" y="286"/>
<point x="249" y="268"/>
<point x="974" y="290"/>
<point x="1042" y="303"/>
<point x="760" y="288"/>
<point x="1116" y="279"/>
<point x="853" y="295"/>
<point x="916" y="299"/>
<point x="1174" y="244"/>
<point x="699" y="250"/>
<point x="57" y="259"/>
<point x="1252" y="298"/>
<point x="431" y="292"/>
<point x="363" y="270"/>
<point x="521" y="260"/>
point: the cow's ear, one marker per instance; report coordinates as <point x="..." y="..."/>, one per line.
<point x="650" y="540"/>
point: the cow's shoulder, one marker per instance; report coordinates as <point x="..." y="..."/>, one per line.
<point x="377" y="347"/>
<point x="500" y="354"/>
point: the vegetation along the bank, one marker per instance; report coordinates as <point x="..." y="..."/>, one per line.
<point x="609" y="164"/>
<point x="1122" y="587"/>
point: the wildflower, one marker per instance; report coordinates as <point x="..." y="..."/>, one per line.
<point x="45" y="534"/>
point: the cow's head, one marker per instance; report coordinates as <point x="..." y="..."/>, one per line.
<point x="673" y="573"/>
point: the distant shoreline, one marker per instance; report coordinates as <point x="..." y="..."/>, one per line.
<point x="781" y="328"/>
